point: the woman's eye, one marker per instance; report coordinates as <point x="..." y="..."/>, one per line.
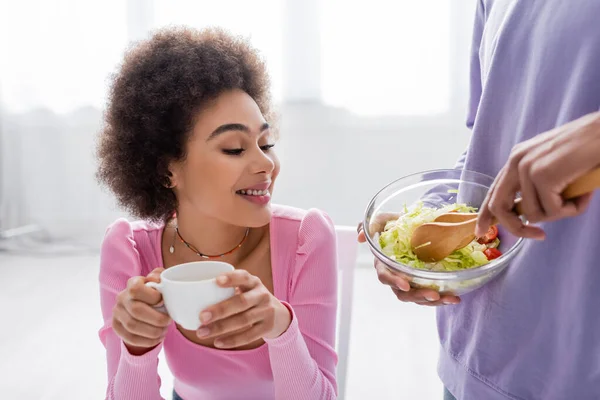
<point x="237" y="152"/>
<point x="233" y="152"/>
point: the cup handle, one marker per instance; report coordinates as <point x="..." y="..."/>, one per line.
<point x="158" y="286"/>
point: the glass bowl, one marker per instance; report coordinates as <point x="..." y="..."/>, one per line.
<point x="435" y="189"/>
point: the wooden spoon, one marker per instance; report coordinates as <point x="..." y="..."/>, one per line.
<point x="454" y="218"/>
<point x="435" y="241"/>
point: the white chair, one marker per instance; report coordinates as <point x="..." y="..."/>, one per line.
<point x="347" y="249"/>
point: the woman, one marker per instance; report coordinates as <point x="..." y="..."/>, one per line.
<point x="188" y="148"/>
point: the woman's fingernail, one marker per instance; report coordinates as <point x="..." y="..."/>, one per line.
<point x="202" y="332"/>
<point x="222" y="280"/>
<point x="430" y="298"/>
<point x="205" y="316"/>
<point x="218" y="343"/>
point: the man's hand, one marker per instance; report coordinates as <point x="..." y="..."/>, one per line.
<point x="541" y="168"/>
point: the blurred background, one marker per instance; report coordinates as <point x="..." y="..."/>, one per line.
<point x="368" y="91"/>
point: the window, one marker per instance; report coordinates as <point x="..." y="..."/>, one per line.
<point x="58" y="54"/>
<point x="386" y="57"/>
<point x="258" y="20"/>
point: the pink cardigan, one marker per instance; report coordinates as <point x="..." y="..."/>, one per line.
<point x="300" y="364"/>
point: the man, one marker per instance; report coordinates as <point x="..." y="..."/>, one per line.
<point x="534" y="332"/>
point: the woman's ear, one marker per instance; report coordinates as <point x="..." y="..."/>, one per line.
<point x="171" y="176"/>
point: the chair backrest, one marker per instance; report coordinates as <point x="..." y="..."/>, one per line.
<point x="347" y="249"/>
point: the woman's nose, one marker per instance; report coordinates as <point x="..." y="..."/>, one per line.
<point x="262" y="162"/>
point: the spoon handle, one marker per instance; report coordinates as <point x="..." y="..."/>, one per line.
<point x="585" y="184"/>
<point x="582" y="185"/>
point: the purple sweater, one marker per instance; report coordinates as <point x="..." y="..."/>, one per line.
<point x="533" y="333"/>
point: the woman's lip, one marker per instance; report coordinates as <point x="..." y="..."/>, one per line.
<point x="260" y="200"/>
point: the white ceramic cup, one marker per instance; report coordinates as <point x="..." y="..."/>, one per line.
<point x="187" y="289"/>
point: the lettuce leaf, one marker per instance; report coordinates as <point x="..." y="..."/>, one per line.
<point x="395" y="240"/>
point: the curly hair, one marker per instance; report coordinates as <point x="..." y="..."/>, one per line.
<point x="160" y="87"/>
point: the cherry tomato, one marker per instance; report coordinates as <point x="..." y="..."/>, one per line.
<point x="489" y="236"/>
<point x="492" y="253"/>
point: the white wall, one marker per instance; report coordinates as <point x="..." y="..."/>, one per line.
<point x="337" y="161"/>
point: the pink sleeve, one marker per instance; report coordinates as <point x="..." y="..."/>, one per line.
<point x="129" y="377"/>
<point x="303" y="358"/>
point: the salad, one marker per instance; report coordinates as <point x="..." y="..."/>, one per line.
<point x="395" y="240"/>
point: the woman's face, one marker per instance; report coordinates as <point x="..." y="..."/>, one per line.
<point x="230" y="167"/>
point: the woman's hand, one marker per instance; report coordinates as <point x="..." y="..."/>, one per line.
<point x="135" y="321"/>
<point x="252" y="314"/>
